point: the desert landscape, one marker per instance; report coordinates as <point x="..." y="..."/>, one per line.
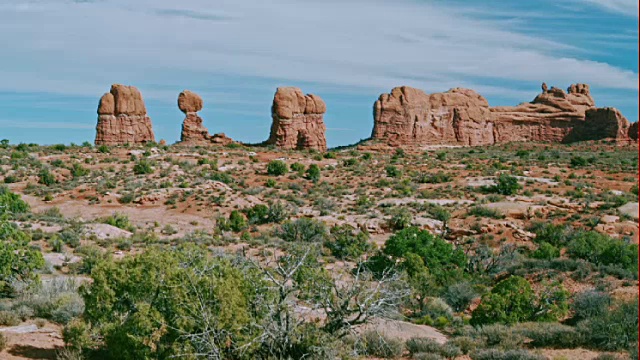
<point x="457" y="231"/>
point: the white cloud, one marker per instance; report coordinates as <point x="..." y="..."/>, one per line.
<point x="625" y="7"/>
<point x="80" y="48"/>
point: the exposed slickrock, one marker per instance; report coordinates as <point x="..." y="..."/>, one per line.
<point x="408" y="116"/>
<point x="298" y="121"/>
<point x="193" y="132"/>
<point x="122" y="118"/>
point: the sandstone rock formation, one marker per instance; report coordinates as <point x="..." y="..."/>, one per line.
<point x="633" y="131"/>
<point x="122" y="118"/>
<point x="193" y="132"/>
<point x="297" y="120"/>
<point x="408" y="116"/>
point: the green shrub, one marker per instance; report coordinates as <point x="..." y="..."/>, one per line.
<point x="495" y="354"/>
<point x="142" y="167"/>
<point x="590" y="303"/>
<point x="11" y="203"/>
<point x="546" y="251"/>
<point x="313" y="173"/>
<point x="120" y="221"/>
<point x="460" y="295"/>
<point x="423" y="345"/>
<point x="302" y="230"/>
<point x="512" y="300"/>
<point x="401" y="218"/>
<point x="601" y="249"/>
<point x="556" y="235"/>
<point x="46" y="177"/>
<point x="550" y="335"/>
<point x="381" y="346"/>
<point x="237" y="222"/>
<point x="466" y="344"/>
<point x="277" y="168"/>
<point x="297" y="167"/>
<point x="345" y="242"/>
<point x="392" y="171"/>
<point x="9" y="318"/>
<point x="500" y="336"/>
<point x="258" y="214"/>
<point x="578" y="161"/>
<point x="507" y="185"/>
<point x="614" y="330"/>
<point x="481" y="211"/>
<point x="78" y="170"/>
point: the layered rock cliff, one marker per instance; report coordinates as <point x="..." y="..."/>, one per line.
<point x="298" y="120"/>
<point x="122" y="118"/>
<point x="408" y="116"/>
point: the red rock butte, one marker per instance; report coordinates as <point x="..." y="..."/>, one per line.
<point x="409" y="116"/>
<point x="193" y="132"/>
<point x="122" y="118"/>
<point x="298" y="121"/>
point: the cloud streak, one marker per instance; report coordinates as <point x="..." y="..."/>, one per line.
<point x="80" y="48"/>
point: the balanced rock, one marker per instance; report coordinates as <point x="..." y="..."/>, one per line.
<point x="409" y="116"/>
<point x="193" y="132"/>
<point x="122" y="118"/>
<point x="298" y="120"/>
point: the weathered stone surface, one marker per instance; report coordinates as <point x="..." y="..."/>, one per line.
<point x="633" y="131"/>
<point x="408" y="116"/>
<point x="193" y="132"/>
<point x="122" y="118"/>
<point x="189" y="102"/>
<point x="298" y="120"/>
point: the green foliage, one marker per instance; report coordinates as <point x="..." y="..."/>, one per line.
<point x="578" y="161"/>
<point x="11" y="203"/>
<point x="614" y="330"/>
<point x="550" y="335"/>
<point x="512" y="300"/>
<point x="142" y="167"/>
<point x="18" y="260"/>
<point x="313" y="173"/>
<point x="120" y="221"/>
<point x="302" y="230"/>
<point x="590" y="303"/>
<point x="546" y="251"/>
<point x="277" y="168"/>
<point x="556" y="235"/>
<point x="460" y="295"/>
<point x="401" y="218"/>
<point x="297" y="167"/>
<point x="437" y="178"/>
<point x="237" y="221"/>
<point x="46" y="177"/>
<point x="142" y="305"/>
<point x="380" y="346"/>
<point x="507" y="185"/>
<point x="258" y="214"/>
<point x="482" y="211"/>
<point x="78" y="171"/>
<point x="345" y="242"/>
<point x="392" y="171"/>
<point x="601" y="249"/>
<point x="495" y="354"/>
<point x="422" y="251"/>
<point x="3" y="342"/>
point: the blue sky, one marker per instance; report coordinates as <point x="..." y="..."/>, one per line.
<point x="58" y="57"/>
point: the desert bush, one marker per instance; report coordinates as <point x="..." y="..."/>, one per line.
<point x="546" y="251"/>
<point x="313" y="173"/>
<point x="381" y="346"/>
<point x="495" y="354"/>
<point x="46" y="177"/>
<point x="459" y="295"/>
<point x="302" y="230"/>
<point x="297" y="167"/>
<point x="258" y="214"/>
<point x="511" y="300"/>
<point x="57" y="300"/>
<point x="423" y="345"/>
<point x="466" y="344"/>
<point x="237" y="221"/>
<point x="601" y="249"/>
<point x="550" y="335"/>
<point x="590" y="303"/>
<point x="392" y="171"/>
<point x="427" y="356"/>
<point x="277" y="168"/>
<point x="345" y="242"/>
<point x="11" y="203"/>
<point x="3" y="342"/>
<point x="18" y="261"/>
<point x="120" y="221"/>
<point x="142" y="167"/>
<point x="401" y="218"/>
<point x="614" y="330"/>
<point x="9" y="318"/>
<point x="507" y="185"/>
<point x="78" y="170"/>
<point x="482" y="211"/>
<point x="500" y="336"/>
<point x="556" y="235"/>
<point x="69" y="354"/>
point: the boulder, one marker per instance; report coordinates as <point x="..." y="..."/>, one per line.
<point x="298" y="120"/>
<point x="122" y="118"/>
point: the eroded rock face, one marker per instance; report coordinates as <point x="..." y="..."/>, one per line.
<point x="193" y="132"/>
<point x="122" y="118"/>
<point x="408" y="116"/>
<point x="298" y="120"/>
<point x="633" y="131"/>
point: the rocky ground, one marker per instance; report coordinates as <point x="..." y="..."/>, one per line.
<point x="120" y="200"/>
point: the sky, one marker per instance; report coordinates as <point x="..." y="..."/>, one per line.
<point x="57" y="58"/>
